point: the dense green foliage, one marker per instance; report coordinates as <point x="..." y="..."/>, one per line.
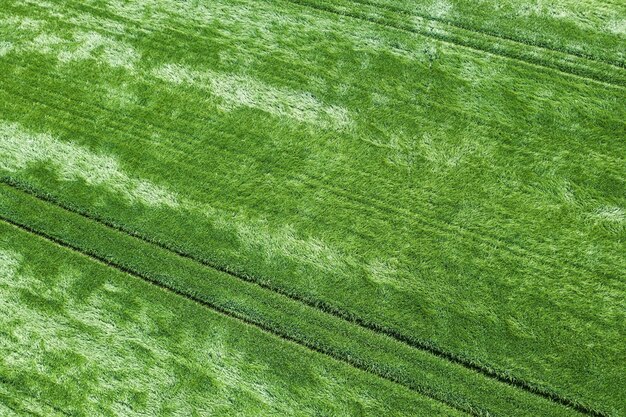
<point x="432" y="192"/>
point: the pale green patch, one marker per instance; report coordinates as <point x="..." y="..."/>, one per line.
<point x="46" y="43"/>
<point x="612" y="214"/>
<point x="572" y="12"/>
<point x="32" y="36"/>
<point x="20" y="149"/>
<point x="9" y="264"/>
<point x="85" y="19"/>
<point x="479" y="75"/>
<point x="244" y="91"/>
<point x="266" y="29"/>
<point x="136" y="10"/>
<point x="519" y="329"/>
<point x="218" y="360"/>
<point x="617" y="27"/>
<point x="272" y="243"/>
<point x="383" y="271"/>
<point x="5" y="410"/>
<point x="380" y="99"/>
<point x="88" y="20"/>
<point x="232" y="17"/>
<point x="329" y="382"/>
<point x="24" y="24"/>
<point x="371" y="43"/>
<point x="437" y="151"/>
<point x="42" y="3"/>
<point x="532" y="9"/>
<point x="92" y="45"/>
<point x="5" y="48"/>
<point x="440" y="8"/>
<point x="399" y="149"/>
<point x="120" y="96"/>
<point x="443" y="155"/>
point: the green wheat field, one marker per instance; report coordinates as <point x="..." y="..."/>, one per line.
<point x="312" y="208"/>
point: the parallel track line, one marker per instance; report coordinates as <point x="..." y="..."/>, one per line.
<point x="470" y="28"/>
<point x="414" y="31"/>
<point x="483" y="121"/>
<point x="319" y="305"/>
<point x="415" y="216"/>
<point x="607" y="82"/>
<point x="226" y="312"/>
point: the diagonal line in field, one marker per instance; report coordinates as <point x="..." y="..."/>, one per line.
<point x="448" y="40"/>
<point x="417" y="215"/>
<point x="228" y="313"/>
<point x="444" y="39"/>
<point x="484" y="32"/>
<point x="319" y="305"/>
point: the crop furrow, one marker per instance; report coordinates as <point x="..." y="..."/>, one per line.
<point x="191" y="38"/>
<point x="564" y="68"/>
<point x="368" y="203"/>
<point x="490" y="33"/>
<point x="421" y="218"/>
<point x="421" y="345"/>
<point x="414" y="99"/>
<point x="242" y="317"/>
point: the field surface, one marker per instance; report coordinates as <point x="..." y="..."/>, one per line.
<point x="312" y="207"/>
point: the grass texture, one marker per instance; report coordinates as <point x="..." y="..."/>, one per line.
<point x="82" y="339"/>
<point x="429" y="195"/>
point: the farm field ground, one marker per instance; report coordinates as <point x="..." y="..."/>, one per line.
<point x="312" y="207"/>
